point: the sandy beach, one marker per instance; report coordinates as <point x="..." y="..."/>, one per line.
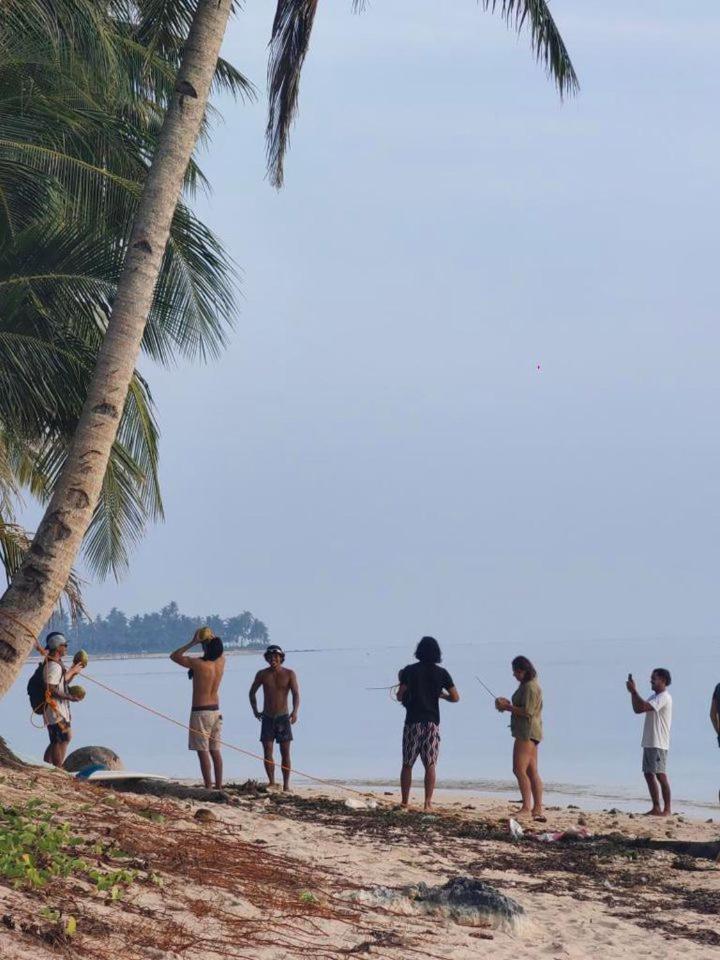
<point x="323" y="874"/>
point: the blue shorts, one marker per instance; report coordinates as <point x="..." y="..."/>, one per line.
<point x="59" y="734"/>
<point x="278" y="729"/>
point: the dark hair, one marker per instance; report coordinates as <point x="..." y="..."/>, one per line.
<point x="212" y="650"/>
<point x="428" y="651"/>
<point x="522" y="663"/>
<point x="664" y="675"/>
<point x="272" y="650"/>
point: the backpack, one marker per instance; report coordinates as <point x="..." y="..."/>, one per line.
<point x="36" y="689"/>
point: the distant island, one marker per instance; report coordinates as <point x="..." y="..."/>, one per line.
<point x="158" y="632"/>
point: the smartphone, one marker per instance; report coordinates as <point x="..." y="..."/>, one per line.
<point x="629" y="676"/>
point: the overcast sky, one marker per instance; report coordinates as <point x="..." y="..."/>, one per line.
<point x="377" y="454"/>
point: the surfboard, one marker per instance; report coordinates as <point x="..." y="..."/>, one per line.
<point x="119" y="775"/>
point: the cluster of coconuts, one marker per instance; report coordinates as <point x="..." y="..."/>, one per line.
<point x="77" y="691"/>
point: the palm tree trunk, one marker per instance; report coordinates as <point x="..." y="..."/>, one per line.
<point x="30" y="599"/>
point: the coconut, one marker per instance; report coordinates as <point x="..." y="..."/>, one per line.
<point x="77" y="691"/>
<point x="205" y="634"/>
<point x="81" y="657"/>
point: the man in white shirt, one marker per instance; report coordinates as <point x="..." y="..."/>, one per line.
<point x="656" y="737"/>
<point x="57" y="708"/>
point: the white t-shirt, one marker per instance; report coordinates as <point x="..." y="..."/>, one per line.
<point x="656" y="732"/>
<point x="55" y="677"/>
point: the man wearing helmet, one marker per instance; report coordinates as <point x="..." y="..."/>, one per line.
<point x="276" y="724"/>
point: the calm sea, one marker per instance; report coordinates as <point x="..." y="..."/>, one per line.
<point x="591" y="752"/>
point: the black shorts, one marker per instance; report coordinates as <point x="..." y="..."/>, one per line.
<point x="278" y="729"/>
<point x="58" y="734"/>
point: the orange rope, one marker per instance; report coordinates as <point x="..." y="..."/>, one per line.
<point x="230" y="746"/>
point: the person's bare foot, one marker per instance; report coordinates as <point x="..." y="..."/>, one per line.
<point x="428" y="808"/>
<point x="523" y="813"/>
<point x="655" y="812"/>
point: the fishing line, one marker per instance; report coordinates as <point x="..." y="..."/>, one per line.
<point x="486" y="687"/>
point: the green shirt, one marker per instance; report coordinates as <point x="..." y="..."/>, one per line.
<point x="528" y="697"/>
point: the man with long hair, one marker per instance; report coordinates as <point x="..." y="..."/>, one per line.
<point x="422" y="686"/>
<point x="206" y="673"/>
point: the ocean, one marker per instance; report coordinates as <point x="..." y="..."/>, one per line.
<point x="590" y="755"/>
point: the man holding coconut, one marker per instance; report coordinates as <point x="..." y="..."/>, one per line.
<point x="205" y="725"/>
<point x="59" y="695"/>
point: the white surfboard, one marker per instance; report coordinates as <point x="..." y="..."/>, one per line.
<point x="122" y="775"/>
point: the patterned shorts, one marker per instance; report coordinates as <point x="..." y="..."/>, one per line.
<point x="421" y="740"/>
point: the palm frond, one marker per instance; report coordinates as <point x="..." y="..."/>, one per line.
<point x="547" y="43"/>
<point x="289" y="45"/>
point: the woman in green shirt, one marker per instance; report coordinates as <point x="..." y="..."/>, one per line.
<point x="526" y="728"/>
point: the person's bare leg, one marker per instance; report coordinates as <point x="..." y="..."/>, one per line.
<point x="536" y="784"/>
<point x="430" y="774"/>
<point x="667" y="798"/>
<point x="405" y="783"/>
<point x="205" y="767"/>
<point x="57" y="753"/>
<point x="269" y="763"/>
<point x="217" y="768"/>
<point x="47" y="756"/>
<point x="520" y="768"/>
<point x="286" y="765"/>
<point x="654" y="789"/>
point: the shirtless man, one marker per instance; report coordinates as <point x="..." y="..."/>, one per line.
<point x="277" y="681"/>
<point x="206" y="672"/>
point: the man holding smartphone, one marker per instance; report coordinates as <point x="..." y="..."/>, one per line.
<point x="656" y="737"/>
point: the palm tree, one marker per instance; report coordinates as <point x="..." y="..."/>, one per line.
<point x="71" y="146"/>
<point x="76" y="272"/>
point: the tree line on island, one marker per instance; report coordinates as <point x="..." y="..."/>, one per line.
<point x="157" y="632"/>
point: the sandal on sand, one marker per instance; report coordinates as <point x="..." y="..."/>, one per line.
<point x="538" y="818"/>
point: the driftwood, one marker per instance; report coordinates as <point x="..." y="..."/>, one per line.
<point x="688" y="848"/>
<point x="166" y="789"/>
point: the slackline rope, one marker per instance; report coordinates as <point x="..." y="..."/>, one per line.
<point x="230" y="746"/>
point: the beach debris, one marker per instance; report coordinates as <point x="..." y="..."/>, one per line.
<point x="464" y="900"/>
<point x="470" y="901"/>
<point x="564" y="836"/>
<point x="515" y="829"/>
<point x="205" y="815"/>
<point x="81" y="657"/>
<point x="102" y="757"/>
<point x="77" y="691"/>
<point x="357" y="803"/>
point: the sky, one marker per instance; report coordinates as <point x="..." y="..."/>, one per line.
<point x="473" y="387"/>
